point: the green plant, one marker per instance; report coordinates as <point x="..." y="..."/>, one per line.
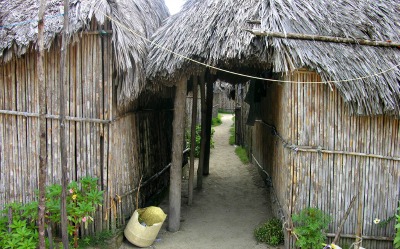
<point x="232" y="135"/>
<point x="242" y="154"/>
<point x="22" y="232"/>
<point x="310" y="225"/>
<point x="270" y="232"/>
<point x="217" y="120"/>
<point x="82" y="200"/>
<point x="198" y="140"/>
<point x="396" y="241"/>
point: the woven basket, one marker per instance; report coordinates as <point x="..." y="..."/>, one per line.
<point x="144" y="236"/>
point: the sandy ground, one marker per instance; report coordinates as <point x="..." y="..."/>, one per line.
<point x="225" y="212"/>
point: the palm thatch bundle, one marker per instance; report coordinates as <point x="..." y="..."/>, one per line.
<point x="18" y="32"/>
<point x="208" y="31"/>
<point x="212" y="32"/>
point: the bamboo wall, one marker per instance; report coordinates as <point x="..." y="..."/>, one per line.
<point x="310" y="118"/>
<point x="116" y="148"/>
<point x="224" y="103"/>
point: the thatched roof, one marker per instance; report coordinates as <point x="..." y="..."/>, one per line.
<point x="18" y="32"/>
<point x="212" y="32"/>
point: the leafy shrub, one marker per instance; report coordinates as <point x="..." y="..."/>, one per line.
<point x="82" y="200"/>
<point x="270" y="232"/>
<point x="198" y="140"/>
<point x="310" y="226"/>
<point x="22" y="232"/>
<point x="396" y="241"/>
<point x="217" y="121"/>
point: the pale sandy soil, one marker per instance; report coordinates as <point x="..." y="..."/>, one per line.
<point x="225" y="212"/>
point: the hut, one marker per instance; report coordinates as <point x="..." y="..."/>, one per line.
<point x="117" y="128"/>
<point x="324" y="128"/>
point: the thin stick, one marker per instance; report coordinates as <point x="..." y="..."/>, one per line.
<point x="346" y="215"/>
<point x="138" y="192"/>
<point x="321" y="38"/>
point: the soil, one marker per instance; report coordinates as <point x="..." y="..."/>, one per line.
<point x="233" y="202"/>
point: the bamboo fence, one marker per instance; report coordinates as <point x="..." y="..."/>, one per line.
<point x="319" y="156"/>
<point x="117" y="148"/>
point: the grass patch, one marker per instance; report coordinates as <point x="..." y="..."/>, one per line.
<point x="217" y="121"/>
<point x="232" y="136"/>
<point x="225" y="111"/>
<point x="242" y="154"/>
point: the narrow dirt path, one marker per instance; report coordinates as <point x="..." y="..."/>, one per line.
<point x="225" y="212"/>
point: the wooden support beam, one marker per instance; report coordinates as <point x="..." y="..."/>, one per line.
<point x="209" y="104"/>
<point x="193" y="140"/>
<point x="175" y="193"/>
<point x="321" y="38"/>
<point x="63" y="136"/>
<point x="42" y="128"/>
<point x="203" y="133"/>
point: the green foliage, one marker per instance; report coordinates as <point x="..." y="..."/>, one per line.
<point x="217" y="121"/>
<point x="270" y="232"/>
<point x="310" y="226"/>
<point x="22" y="232"/>
<point x="82" y="200"/>
<point x="242" y="154"/>
<point x="396" y="241"/>
<point x="232" y="135"/>
<point x="198" y="140"/>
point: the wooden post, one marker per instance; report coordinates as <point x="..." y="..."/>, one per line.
<point x="177" y="148"/>
<point x="209" y="104"/>
<point x="193" y="140"/>
<point x="42" y="129"/>
<point x="203" y="133"/>
<point x="63" y="138"/>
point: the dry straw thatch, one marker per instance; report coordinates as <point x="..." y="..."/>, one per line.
<point x="212" y="31"/>
<point x="18" y="32"/>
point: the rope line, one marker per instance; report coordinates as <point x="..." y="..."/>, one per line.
<point x="208" y="65"/>
<point x="239" y="74"/>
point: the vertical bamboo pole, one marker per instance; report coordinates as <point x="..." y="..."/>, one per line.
<point x="177" y="148"/>
<point x="42" y="129"/>
<point x="203" y="134"/>
<point x="63" y="137"/>
<point x="359" y="229"/>
<point x="209" y="104"/>
<point x="193" y="139"/>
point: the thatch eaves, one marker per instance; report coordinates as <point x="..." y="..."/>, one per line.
<point x="18" y="32"/>
<point x="208" y="31"/>
<point x="212" y="31"/>
<point x="364" y="19"/>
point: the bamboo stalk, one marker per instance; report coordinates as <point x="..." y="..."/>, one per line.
<point x="364" y="237"/>
<point x="336" y="239"/>
<point x="313" y="149"/>
<point x="321" y="38"/>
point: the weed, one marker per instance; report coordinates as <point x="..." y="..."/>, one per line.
<point x="242" y="154"/>
<point x="270" y="232"/>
